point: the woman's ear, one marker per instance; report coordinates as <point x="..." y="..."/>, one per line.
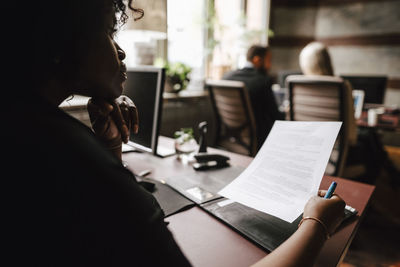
<point x="256" y="60"/>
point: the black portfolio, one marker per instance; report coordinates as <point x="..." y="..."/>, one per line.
<point x="265" y="230"/>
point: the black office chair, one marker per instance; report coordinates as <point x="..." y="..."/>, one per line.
<point x="236" y="127"/>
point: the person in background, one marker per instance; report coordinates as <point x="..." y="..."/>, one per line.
<point x="70" y="200"/>
<point x="258" y="82"/>
<point x="314" y="59"/>
<point x="365" y="146"/>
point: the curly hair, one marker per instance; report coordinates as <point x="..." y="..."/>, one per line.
<point x="119" y="6"/>
<point x="61" y="28"/>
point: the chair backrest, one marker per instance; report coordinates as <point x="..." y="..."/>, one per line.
<point x="321" y="98"/>
<point x="236" y="128"/>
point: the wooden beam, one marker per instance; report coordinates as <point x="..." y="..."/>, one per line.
<point x="317" y="3"/>
<point x="393" y="83"/>
<point x="290" y="41"/>
<point x="363" y="40"/>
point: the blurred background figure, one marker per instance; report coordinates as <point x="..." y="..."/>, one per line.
<point x="366" y="148"/>
<point x="258" y="82"/>
<point x="314" y="59"/>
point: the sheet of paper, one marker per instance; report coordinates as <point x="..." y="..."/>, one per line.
<point x="287" y="170"/>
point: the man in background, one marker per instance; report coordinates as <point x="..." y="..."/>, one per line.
<point x="255" y="77"/>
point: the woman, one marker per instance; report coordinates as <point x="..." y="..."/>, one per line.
<point x="71" y="201"/>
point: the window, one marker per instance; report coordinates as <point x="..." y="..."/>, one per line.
<point x="237" y="25"/>
<point x="211" y="36"/>
<point x="186" y="20"/>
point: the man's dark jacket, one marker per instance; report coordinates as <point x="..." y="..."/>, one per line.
<point x="262" y="99"/>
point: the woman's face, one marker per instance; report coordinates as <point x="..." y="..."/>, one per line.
<point x="102" y="73"/>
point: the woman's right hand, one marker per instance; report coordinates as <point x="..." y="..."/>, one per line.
<point x="303" y="247"/>
<point x="329" y="211"/>
<point x="113" y="120"/>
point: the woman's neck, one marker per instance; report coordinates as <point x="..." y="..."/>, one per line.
<point x="54" y="93"/>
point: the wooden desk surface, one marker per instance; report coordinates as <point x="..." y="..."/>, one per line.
<point x="208" y="242"/>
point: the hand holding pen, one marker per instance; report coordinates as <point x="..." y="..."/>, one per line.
<point x="326" y="209"/>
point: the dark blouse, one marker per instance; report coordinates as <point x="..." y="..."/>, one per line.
<point x="71" y="202"/>
<point x="262" y="99"/>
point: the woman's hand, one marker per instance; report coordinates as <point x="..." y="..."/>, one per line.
<point x="113" y="120"/>
<point x="126" y="115"/>
<point x="303" y="247"/>
<point x="329" y="211"/>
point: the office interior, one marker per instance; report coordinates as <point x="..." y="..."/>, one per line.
<point x="211" y="37"/>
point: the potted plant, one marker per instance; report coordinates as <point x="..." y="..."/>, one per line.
<point x="185" y="143"/>
<point x="177" y="75"/>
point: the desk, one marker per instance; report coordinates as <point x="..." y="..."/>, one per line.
<point x="209" y="242"/>
<point x="386" y="121"/>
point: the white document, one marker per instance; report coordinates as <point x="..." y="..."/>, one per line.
<point x="287" y="170"/>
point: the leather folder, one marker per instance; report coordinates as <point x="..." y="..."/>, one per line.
<point x="265" y="230"/>
<point x="170" y="200"/>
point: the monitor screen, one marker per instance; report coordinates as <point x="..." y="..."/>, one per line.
<point x="145" y="87"/>
<point x="283" y="74"/>
<point x="373" y="86"/>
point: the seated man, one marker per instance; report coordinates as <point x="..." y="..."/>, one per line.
<point x="255" y="76"/>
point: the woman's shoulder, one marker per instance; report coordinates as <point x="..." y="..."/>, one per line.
<point x="45" y="132"/>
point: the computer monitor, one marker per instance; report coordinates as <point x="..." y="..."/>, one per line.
<point x="373" y="86"/>
<point x="283" y="74"/>
<point x="145" y="86"/>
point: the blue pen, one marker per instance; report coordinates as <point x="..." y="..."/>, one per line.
<point x="331" y="190"/>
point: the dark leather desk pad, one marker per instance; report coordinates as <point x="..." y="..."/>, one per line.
<point x="267" y="231"/>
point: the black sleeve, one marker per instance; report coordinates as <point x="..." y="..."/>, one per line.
<point x="264" y="106"/>
<point x="271" y="106"/>
<point x="73" y="203"/>
<point x="106" y="218"/>
<point x="125" y="224"/>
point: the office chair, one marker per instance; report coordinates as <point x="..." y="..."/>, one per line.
<point x="236" y="127"/>
<point x="321" y="98"/>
